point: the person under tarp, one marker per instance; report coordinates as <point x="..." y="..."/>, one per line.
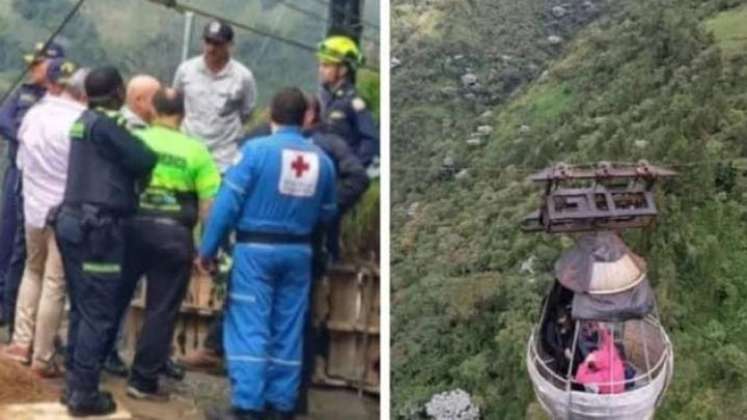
<point x="600" y="283"/>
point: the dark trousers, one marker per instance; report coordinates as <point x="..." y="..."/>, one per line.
<point x="214" y="338"/>
<point x="163" y="253"/>
<point x="13" y="257"/>
<point x="7" y="223"/>
<point x="312" y="336"/>
<point x="93" y="250"/>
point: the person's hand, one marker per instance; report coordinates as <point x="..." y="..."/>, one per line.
<point x="205" y="266"/>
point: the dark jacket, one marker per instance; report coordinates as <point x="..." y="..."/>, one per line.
<point x="352" y="179"/>
<point x="12" y="113"/>
<point x="106" y="164"/>
<point x="344" y="113"/>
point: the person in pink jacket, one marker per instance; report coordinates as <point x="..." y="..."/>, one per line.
<point x="603" y="370"/>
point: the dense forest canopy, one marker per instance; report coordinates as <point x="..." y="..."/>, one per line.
<point x="487" y="91"/>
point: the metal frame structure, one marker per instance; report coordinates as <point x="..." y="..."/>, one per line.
<point x="612" y="196"/>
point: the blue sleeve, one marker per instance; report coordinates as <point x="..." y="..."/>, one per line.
<point x="228" y="204"/>
<point x="368" y="148"/>
<point x="329" y="193"/>
<point x="8" y="121"/>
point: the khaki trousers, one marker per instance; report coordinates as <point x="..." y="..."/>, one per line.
<point x="41" y="299"/>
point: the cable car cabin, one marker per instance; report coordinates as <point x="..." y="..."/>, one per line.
<point x="599" y="351"/>
<point x="609" y="370"/>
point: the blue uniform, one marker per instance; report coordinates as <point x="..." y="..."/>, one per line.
<point x="13" y="254"/>
<point x="280" y="189"/>
<point x="345" y="114"/>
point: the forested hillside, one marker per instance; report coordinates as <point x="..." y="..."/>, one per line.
<point x="487" y="91"/>
<point x="138" y="36"/>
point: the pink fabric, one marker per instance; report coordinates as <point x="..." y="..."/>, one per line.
<point x="603" y="367"/>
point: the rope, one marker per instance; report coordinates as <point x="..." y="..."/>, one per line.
<point x="49" y="41"/>
<point x="173" y="4"/>
<point x="521" y="170"/>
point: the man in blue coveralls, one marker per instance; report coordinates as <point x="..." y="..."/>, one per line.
<point x="13" y="251"/>
<point x="280" y="189"/>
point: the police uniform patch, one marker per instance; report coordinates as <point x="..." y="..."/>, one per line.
<point x="300" y="173"/>
<point x="359" y="104"/>
<point x="27" y="99"/>
<point x="336" y="115"/>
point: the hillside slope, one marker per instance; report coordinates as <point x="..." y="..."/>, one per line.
<point x="662" y="80"/>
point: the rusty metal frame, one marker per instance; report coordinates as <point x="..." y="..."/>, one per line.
<point x="612" y="196"/>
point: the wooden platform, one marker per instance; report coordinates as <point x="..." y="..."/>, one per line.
<point x="52" y="411"/>
<point x="346" y="305"/>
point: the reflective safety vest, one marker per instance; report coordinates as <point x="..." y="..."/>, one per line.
<point x="185" y="173"/>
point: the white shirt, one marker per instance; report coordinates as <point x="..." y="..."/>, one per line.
<point x="134" y="122"/>
<point x="216" y="105"/>
<point x="44" y="139"/>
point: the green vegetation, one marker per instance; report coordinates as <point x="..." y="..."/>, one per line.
<point x="656" y="80"/>
<point x="730" y="31"/>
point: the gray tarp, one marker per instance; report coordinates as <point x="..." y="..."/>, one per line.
<point x="636" y="302"/>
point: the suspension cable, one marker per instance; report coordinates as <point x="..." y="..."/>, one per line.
<point x="173" y="4"/>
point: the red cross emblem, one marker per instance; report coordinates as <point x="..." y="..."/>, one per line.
<point x="300" y="166"/>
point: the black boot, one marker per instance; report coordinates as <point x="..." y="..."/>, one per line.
<point x="219" y="413"/>
<point x="115" y="365"/>
<point x="173" y="370"/>
<point x="65" y="397"/>
<point x="84" y="404"/>
<point x="280" y="415"/>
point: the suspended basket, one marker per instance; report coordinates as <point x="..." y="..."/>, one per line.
<point x="647" y="359"/>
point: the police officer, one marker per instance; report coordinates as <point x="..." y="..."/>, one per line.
<point x="280" y="189"/>
<point x="344" y="112"/>
<point x="12" y="235"/>
<point x="159" y="237"/>
<point x="106" y="166"/>
<point x="352" y="179"/>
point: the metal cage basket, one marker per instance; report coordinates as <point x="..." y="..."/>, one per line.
<point x="647" y="352"/>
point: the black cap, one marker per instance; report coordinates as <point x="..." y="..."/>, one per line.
<point x="102" y="83"/>
<point x="218" y="32"/>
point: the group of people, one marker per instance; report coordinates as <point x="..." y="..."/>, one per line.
<point x="107" y="182"/>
